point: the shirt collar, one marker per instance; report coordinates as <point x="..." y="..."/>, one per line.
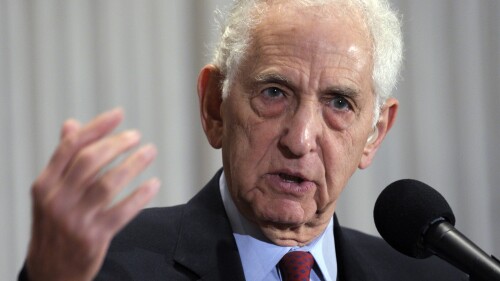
<point x="259" y="256"/>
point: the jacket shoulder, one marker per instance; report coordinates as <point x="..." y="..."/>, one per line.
<point x="150" y="228"/>
<point x="145" y="247"/>
<point x="388" y="264"/>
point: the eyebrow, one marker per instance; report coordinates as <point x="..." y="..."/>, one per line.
<point x="344" y="91"/>
<point x="272" y="78"/>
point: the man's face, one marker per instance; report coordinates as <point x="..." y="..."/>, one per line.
<point x="296" y="121"/>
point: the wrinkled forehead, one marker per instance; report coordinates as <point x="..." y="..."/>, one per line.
<point x="310" y="52"/>
<point x="336" y="26"/>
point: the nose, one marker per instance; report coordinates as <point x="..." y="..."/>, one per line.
<point x="301" y="130"/>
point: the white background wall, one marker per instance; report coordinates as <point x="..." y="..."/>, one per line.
<point x="61" y="59"/>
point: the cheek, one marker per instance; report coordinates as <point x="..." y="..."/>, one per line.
<point x="245" y="133"/>
<point x="247" y="144"/>
<point x="341" y="157"/>
<point x="249" y="141"/>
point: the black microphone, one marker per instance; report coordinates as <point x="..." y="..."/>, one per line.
<point x="417" y="221"/>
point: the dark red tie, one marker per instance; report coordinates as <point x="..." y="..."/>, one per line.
<point x="296" y="266"/>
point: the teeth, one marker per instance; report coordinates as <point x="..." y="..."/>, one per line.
<point x="291" y="178"/>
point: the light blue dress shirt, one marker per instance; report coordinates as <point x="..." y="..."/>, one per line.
<point x="260" y="257"/>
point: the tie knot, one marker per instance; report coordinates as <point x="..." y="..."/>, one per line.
<point x="296" y="266"/>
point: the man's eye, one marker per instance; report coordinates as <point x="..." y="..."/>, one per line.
<point x="273" y="92"/>
<point x="340" y="103"/>
<point x="270" y="102"/>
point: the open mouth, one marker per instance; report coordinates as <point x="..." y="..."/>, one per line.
<point x="290" y="178"/>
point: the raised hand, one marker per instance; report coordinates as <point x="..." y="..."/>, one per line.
<point x="73" y="216"/>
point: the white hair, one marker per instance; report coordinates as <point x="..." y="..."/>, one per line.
<point x="380" y="19"/>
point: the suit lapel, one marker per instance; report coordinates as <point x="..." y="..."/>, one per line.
<point x="206" y="245"/>
<point x="352" y="266"/>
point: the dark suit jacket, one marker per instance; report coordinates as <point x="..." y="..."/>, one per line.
<point x="194" y="241"/>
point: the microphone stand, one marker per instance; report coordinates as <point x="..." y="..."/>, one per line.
<point x="443" y="240"/>
<point x="477" y="278"/>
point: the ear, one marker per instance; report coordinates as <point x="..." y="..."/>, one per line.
<point x="210" y="98"/>
<point x="386" y="120"/>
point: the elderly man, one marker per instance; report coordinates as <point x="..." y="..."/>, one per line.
<point x="297" y="98"/>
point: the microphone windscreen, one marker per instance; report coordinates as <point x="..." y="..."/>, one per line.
<point x="404" y="211"/>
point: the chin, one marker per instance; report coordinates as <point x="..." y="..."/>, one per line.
<point x="286" y="236"/>
<point x="285" y="213"/>
<point x="288" y="222"/>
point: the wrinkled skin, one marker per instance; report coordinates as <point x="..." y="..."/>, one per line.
<point x="295" y="124"/>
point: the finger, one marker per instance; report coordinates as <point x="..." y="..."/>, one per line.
<point x="70" y="126"/>
<point x="90" y="160"/>
<point x="105" y="189"/>
<point x="119" y="215"/>
<point x="93" y="131"/>
<point x="72" y="142"/>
